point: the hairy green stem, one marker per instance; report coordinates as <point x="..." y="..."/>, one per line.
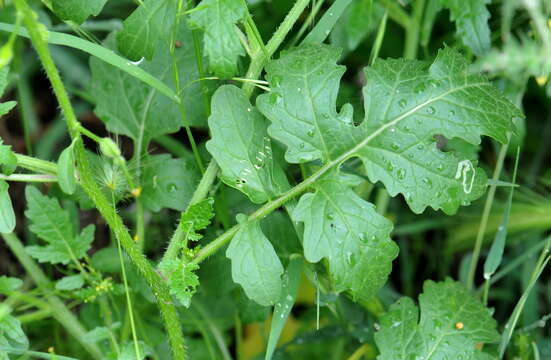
<point x="485" y="216"/>
<point x="36" y="165"/>
<point x="58" y="309"/>
<point x="257" y="64"/>
<point x="159" y="287"/>
<point x="37" y="178"/>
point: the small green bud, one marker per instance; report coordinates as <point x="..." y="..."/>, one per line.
<point x="108" y="148"/>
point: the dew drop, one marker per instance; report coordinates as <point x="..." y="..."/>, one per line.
<point x="401" y="174"/>
<point x="389" y="166"/>
<point x="392" y="129"/>
<point x="301" y="145"/>
<point x="420" y="147"/>
<point x="310" y="133"/>
<point x="427" y="182"/>
<point x="419" y="88"/>
<point x="431" y="110"/>
<point x="452" y="112"/>
<point x="276" y="81"/>
<point x="330" y="216"/>
<point x="439" y="167"/>
<point x="395" y="146"/>
<point x="407" y="128"/>
<point x="171" y="187"/>
<point x="402" y="103"/>
<point x="249" y="109"/>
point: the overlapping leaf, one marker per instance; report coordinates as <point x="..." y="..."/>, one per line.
<point x="168" y="182"/>
<point x="52" y="224"/>
<point x="240" y="144"/>
<point x="407" y="103"/>
<point x="147" y="28"/>
<point x="218" y="18"/>
<point x="7" y="215"/>
<point x="452" y="324"/>
<point x="129" y="107"/>
<point x="11" y="334"/>
<point x="8" y="105"/>
<point x="77" y="10"/>
<point x="471" y="20"/>
<point x="255" y="265"/>
<point x="348" y="232"/>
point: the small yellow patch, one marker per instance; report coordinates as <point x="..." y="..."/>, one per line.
<point x="136" y="192"/>
<point x="51" y="350"/>
<point x="549" y="23"/>
<point x="459" y="325"/>
<point x="541" y="80"/>
<point x="136" y="238"/>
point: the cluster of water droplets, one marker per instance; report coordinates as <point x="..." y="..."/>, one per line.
<point x="260" y="159"/>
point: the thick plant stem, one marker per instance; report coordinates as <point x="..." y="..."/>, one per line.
<point x="58" y="309"/>
<point x="200" y="193"/>
<point x="485" y="216"/>
<point x="36" y="165"/>
<point x="159" y="287"/>
<point x="413" y="29"/>
<point x="257" y="64"/>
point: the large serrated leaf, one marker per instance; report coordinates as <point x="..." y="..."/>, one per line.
<point x="218" y="18"/>
<point x="471" y="20"/>
<point x="147" y="28"/>
<point x="52" y="224"/>
<point x="255" y="265"/>
<point x="242" y="148"/>
<point x="77" y="10"/>
<point x="349" y="233"/>
<point x="132" y="108"/>
<point x="407" y="104"/>
<point x="452" y="324"/>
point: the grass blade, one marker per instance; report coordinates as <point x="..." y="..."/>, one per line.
<point x="322" y="29"/>
<point x="103" y="54"/>
<point x="285" y="304"/>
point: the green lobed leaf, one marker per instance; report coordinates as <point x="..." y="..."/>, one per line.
<point x="182" y="279"/>
<point x="7" y="216"/>
<point x="217" y="18"/>
<point x="451" y="323"/>
<point x="66" y="170"/>
<point x="471" y="20"/>
<point x="349" y="233"/>
<point x="147" y="28"/>
<point x="11" y="333"/>
<point x="8" y="284"/>
<point x="76" y="10"/>
<point x="168" y="182"/>
<point x="254" y="263"/>
<point x="52" y="224"/>
<point x="241" y="146"/>
<point x="356" y="23"/>
<point x="132" y="108"/>
<point x="197" y="217"/>
<point x="6" y="106"/>
<point x="8" y="161"/>
<point x="407" y="103"/>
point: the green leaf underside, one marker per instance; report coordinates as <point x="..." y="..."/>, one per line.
<point x="66" y="171"/>
<point x="168" y="182"/>
<point x="51" y="223"/>
<point x="7" y="215"/>
<point x="471" y="20"/>
<point x="149" y="26"/>
<point x="349" y="233"/>
<point x="77" y="10"/>
<point x="407" y="104"/>
<point x="241" y="146"/>
<point x="255" y="265"/>
<point x="132" y="108"/>
<point x="444" y="306"/>
<point x="70" y="282"/>
<point x="8" y="284"/>
<point x="222" y="46"/>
